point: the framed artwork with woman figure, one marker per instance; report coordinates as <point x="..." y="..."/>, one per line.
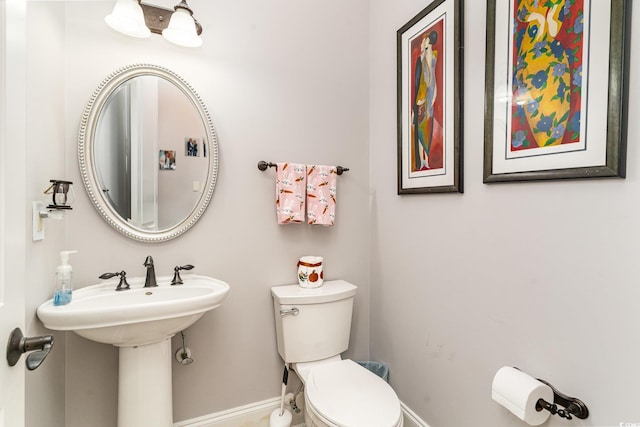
<point x="430" y="100"/>
<point x="555" y="104"/>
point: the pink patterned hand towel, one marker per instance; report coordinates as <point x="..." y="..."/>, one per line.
<point x="291" y="180"/>
<point x="321" y="194"/>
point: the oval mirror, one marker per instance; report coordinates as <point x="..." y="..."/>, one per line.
<point x="148" y="153"/>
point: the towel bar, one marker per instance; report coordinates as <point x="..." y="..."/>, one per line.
<point x="262" y="165"/>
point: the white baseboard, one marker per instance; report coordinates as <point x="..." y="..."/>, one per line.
<point x="257" y="415"/>
<point x="410" y="417"/>
<point x="252" y="415"/>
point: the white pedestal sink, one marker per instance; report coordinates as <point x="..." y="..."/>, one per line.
<point x="141" y="322"/>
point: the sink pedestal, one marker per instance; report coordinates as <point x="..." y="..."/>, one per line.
<point x="144" y="386"/>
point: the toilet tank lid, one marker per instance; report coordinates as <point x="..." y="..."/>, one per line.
<point x="332" y="290"/>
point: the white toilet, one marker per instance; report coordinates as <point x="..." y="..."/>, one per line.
<point x="313" y="327"/>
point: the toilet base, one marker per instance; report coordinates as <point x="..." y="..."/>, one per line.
<point x="312" y="421"/>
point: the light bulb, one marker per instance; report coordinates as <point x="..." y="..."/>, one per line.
<point x="128" y="18"/>
<point x="182" y="29"/>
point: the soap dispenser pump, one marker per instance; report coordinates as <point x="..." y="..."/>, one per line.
<point x="64" y="272"/>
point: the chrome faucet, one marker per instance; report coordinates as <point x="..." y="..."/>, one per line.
<point x="150" y="281"/>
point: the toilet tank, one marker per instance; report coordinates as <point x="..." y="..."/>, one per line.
<point x="322" y="325"/>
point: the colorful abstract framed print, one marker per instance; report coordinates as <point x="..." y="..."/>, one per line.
<point x="556" y="89"/>
<point x="430" y="95"/>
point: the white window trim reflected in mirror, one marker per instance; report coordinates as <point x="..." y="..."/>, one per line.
<point x="149" y="229"/>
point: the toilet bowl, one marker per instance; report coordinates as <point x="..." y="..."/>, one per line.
<point x="341" y="393"/>
<point x="313" y="329"/>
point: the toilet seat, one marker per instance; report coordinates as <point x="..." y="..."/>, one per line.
<point x="344" y="394"/>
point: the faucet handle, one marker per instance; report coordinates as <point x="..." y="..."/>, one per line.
<point x="177" y="280"/>
<point x="123" y="285"/>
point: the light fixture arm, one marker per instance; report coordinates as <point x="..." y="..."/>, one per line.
<point x="157" y="18"/>
<point x="183" y="5"/>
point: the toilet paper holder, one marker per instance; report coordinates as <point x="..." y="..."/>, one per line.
<point x="571" y="405"/>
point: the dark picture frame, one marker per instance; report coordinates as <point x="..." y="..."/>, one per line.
<point x="528" y="135"/>
<point x="430" y="100"/>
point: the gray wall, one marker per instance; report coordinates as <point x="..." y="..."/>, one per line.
<point x="284" y="81"/>
<point x="537" y="275"/>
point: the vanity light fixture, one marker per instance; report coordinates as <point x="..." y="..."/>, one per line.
<point x="137" y="19"/>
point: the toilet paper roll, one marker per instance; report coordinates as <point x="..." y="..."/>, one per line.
<point x="519" y="393"/>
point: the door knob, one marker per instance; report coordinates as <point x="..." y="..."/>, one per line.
<point x="18" y="344"/>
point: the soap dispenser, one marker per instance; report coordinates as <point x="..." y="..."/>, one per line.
<point x="64" y="272"/>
